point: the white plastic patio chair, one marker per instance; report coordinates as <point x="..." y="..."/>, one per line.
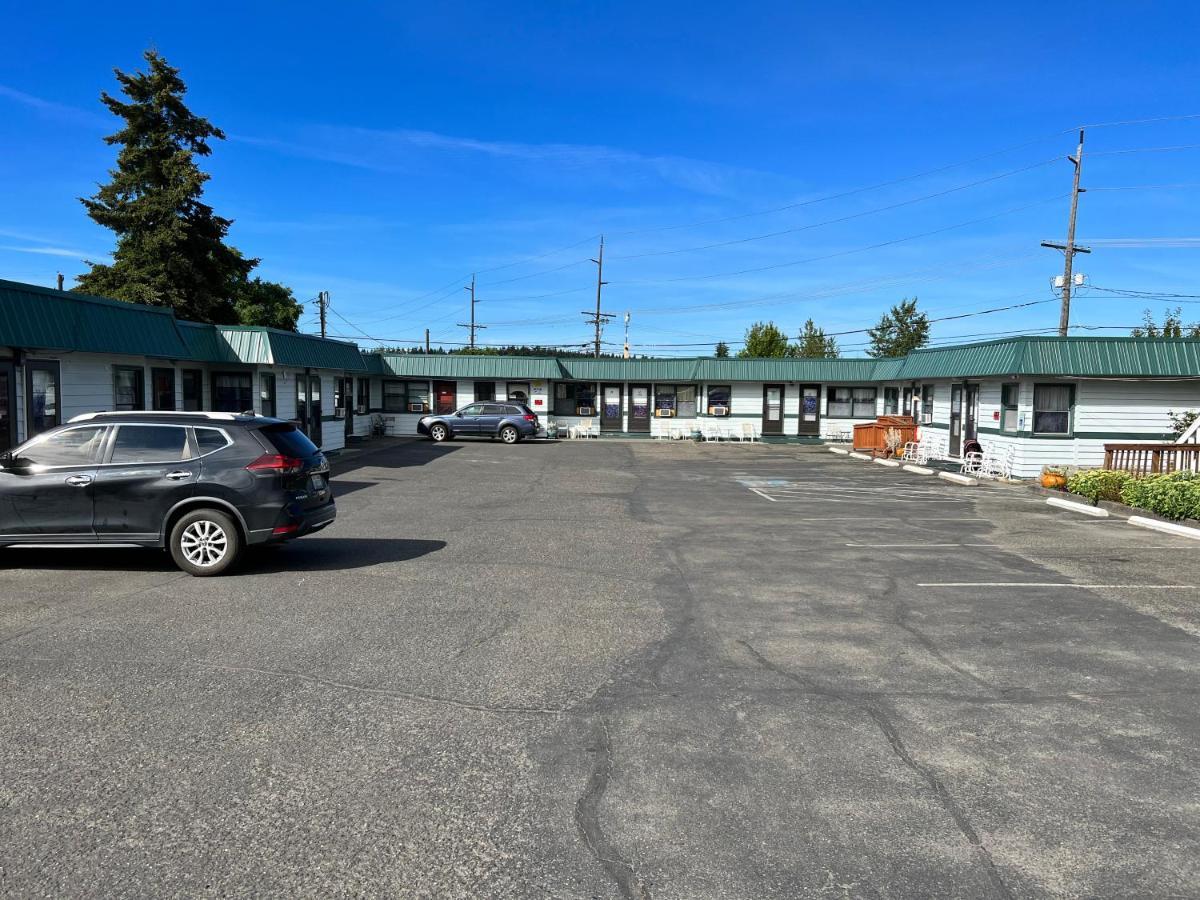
<point x="972" y="463"/>
<point x="585" y="429"/>
<point x="711" y="432"/>
<point x="749" y="432"/>
<point x="998" y="463"/>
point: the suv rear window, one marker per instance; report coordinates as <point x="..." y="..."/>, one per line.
<point x="289" y="440"/>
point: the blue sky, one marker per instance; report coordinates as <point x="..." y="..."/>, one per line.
<point x="384" y="152"/>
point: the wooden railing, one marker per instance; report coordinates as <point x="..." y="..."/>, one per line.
<point x="1152" y="459"/>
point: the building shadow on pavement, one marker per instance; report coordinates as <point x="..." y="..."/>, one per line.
<point x="309" y="554"/>
<point x="399" y="456"/>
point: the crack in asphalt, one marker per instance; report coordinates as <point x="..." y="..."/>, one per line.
<point x="587" y="818"/>
<point x="892" y="734"/>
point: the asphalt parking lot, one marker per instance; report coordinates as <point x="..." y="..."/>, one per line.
<point x="614" y="669"/>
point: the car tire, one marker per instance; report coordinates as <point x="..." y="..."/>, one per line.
<point x="439" y="432"/>
<point x="509" y="434"/>
<point x="205" y="542"/>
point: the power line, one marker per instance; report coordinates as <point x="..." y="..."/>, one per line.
<point x="900" y="240"/>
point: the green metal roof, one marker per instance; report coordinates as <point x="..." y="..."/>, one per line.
<point x="206" y="343"/>
<point x="443" y="365"/>
<point x="712" y="369"/>
<point x="270" y="346"/>
<point x="663" y="370"/>
<point x="43" y="318"/>
<point x="39" y="318"/>
<point x="1084" y="357"/>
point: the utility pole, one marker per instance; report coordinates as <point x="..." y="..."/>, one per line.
<point x="598" y="318"/>
<point x="1069" y="249"/>
<point x="322" y="302"/>
<point x="426" y="340"/>
<point x="60" y="281"/>
<point x="472" y="326"/>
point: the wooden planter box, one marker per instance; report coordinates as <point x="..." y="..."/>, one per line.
<point x="870" y="437"/>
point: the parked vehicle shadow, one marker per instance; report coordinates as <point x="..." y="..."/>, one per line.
<point x="309" y="554"/>
<point x="329" y="554"/>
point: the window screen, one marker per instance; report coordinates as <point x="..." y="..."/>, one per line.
<point x="1008" y="407"/>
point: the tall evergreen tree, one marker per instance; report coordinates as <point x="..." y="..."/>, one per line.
<point x="765" y="339"/>
<point x="813" y="343"/>
<point x="722" y="350"/>
<point x="900" y="330"/>
<point x="171" y="248"/>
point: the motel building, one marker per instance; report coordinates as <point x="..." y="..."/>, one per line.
<point x="1055" y="401"/>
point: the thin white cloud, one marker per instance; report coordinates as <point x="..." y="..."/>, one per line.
<point x="408" y="150"/>
<point x="54" y="251"/>
<point x="54" y="110"/>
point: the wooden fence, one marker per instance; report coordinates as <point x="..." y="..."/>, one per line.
<point x="872" y="436"/>
<point x="1152" y="459"/>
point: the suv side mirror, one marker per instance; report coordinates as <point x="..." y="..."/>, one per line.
<point x="8" y="461"/>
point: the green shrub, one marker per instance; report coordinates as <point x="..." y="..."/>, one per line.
<point x="1175" y="496"/>
<point x="1099" y="484"/>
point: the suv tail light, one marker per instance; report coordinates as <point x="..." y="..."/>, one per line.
<point x="530" y="418"/>
<point x="276" y="463"/>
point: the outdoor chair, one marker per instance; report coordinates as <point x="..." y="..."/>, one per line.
<point x="972" y="463"/>
<point x="998" y="463"/>
<point x="749" y="433"/>
<point x="585" y="429"/>
<point x="712" y="432"/>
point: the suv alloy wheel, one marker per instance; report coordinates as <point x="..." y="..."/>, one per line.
<point x="205" y="542"/>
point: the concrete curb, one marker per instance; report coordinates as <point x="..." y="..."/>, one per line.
<point x="920" y="470"/>
<point x="840" y="451"/>
<point x="887" y="462"/>
<point x="856" y="455"/>
<point x="958" y="479"/>
<point x="1165" y="527"/>
<point x="1084" y="508"/>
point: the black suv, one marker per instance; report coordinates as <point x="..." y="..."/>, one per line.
<point x="203" y="485"/>
<point x="508" y="421"/>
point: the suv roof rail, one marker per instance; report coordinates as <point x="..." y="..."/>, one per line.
<point x="194" y="414"/>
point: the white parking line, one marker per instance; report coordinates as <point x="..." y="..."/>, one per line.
<point x="764" y="496"/>
<point x="916" y="546"/>
<point x="1054" y="584"/>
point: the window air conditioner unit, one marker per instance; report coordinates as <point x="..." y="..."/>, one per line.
<point x="339" y="412"/>
<point x="664" y="413"/>
<point x="584" y="411"/>
<point x="361" y="409"/>
<point x="416" y="407"/>
<point x="718" y="410"/>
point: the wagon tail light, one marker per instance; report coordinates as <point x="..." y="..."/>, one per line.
<point x="276" y="463"/>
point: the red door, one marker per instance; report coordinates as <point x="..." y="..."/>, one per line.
<point x="445" y="397"/>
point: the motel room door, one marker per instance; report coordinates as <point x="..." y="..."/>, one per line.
<point x="956" y="410"/>
<point x="639" y="408"/>
<point x="610" y="407"/>
<point x="810" y="409"/>
<point x="971" y="413"/>
<point x="772" y="420"/>
<point x="8" y="406"/>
